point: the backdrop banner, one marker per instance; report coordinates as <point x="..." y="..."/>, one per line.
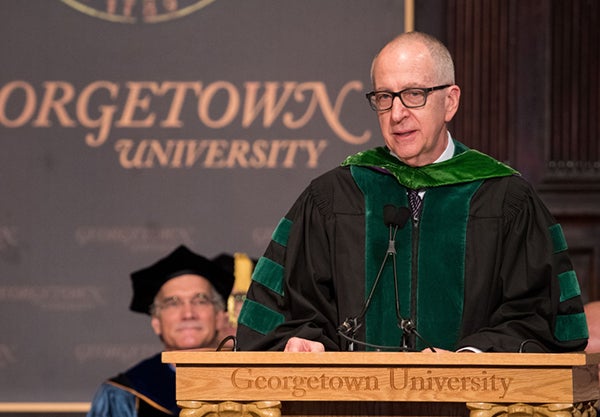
<point x="129" y="127"/>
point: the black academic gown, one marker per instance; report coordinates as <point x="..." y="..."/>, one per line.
<point x="486" y="265"/>
<point x="145" y="390"/>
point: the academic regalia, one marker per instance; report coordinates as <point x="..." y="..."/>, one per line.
<point x="145" y="390"/>
<point x="485" y="266"/>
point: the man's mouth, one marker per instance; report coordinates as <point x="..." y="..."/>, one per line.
<point x="403" y="134"/>
<point x="190" y="327"/>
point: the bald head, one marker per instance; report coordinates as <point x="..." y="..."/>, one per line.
<point x="592" y="314"/>
<point x="443" y="66"/>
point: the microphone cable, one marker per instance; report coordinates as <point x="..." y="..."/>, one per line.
<point x="227" y="339"/>
<point x="377" y="347"/>
<point x="527" y="341"/>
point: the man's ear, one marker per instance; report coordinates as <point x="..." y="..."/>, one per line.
<point x="155" y="322"/>
<point x="452" y="101"/>
<point x="222" y="320"/>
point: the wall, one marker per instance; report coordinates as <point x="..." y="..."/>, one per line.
<point x="126" y="132"/>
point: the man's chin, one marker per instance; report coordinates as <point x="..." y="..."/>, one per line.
<point x="191" y="340"/>
<point x="404" y="150"/>
<point x="190" y="344"/>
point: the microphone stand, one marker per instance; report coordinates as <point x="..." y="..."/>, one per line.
<point x="349" y="327"/>
<point x="406" y="325"/>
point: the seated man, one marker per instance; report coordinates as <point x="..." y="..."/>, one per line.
<point x="184" y="293"/>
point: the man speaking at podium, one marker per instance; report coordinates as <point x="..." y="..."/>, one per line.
<point x="423" y="244"/>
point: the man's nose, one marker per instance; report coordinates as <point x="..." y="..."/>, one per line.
<point x="398" y="110"/>
<point x="188" y="309"/>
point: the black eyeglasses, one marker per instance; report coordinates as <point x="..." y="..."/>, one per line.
<point x="411" y="98"/>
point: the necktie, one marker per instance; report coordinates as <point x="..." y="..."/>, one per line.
<point x="415" y="203"/>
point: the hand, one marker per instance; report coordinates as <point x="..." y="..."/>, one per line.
<point x="297" y="344"/>
<point x="437" y="350"/>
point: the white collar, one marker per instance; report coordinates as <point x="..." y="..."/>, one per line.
<point x="448" y="152"/>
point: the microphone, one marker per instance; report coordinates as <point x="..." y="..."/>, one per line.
<point x="395" y="218"/>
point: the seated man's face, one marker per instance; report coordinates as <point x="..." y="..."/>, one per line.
<point x="185" y="316"/>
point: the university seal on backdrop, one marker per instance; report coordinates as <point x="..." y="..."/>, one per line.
<point x="137" y="11"/>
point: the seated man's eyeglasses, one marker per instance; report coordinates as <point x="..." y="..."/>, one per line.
<point x="176" y="303"/>
<point x="411" y="98"/>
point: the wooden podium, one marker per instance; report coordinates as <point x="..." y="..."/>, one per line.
<point x="384" y="384"/>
